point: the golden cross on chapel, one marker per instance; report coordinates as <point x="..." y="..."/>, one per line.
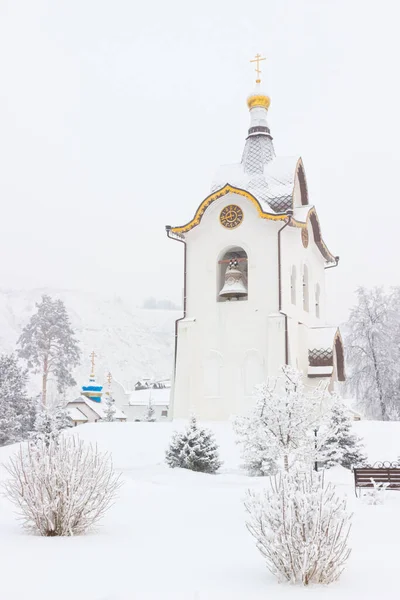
<point x="93" y="356"/>
<point x="257" y="60"/>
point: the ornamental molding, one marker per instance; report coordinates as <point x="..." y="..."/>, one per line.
<point x="227" y="189"/>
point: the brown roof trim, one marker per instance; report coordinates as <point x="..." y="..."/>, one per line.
<point x="313" y="221"/>
<point x="339" y="353"/>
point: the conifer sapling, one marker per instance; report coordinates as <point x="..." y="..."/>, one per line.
<point x="194" y="449"/>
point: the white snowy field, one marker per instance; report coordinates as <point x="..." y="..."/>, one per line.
<point x="174" y="534"/>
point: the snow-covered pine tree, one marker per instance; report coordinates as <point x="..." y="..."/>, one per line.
<point x="301" y="528"/>
<point x="48" y="344"/>
<point x="194" y="449"/>
<point x="341" y="445"/>
<point x="49" y="423"/>
<point x="109" y="413"/>
<point x="280" y="428"/>
<point x="17" y="409"/>
<point x="150" y="412"/>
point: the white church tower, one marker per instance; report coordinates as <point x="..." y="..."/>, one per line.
<point x="254" y="282"/>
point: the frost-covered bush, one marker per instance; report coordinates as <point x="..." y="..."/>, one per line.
<point x="375" y="495"/>
<point x="279" y="430"/>
<point x="110" y="410"/>
<point x="194" y="449"/>
<point x="49" y="423"/>
<point x="301" y="528"/>
<point x="60" y="487"/>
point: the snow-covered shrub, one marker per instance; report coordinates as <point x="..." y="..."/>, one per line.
<point x="257" y="454"/>
<point x="150" y="415"/>
<point x="60" y="487"/>
<point x="279" y="430"/>
<point x="377" y="495"/>
<point x="341" y="446"/>
<point x="194" y="449"/>
<point x="49" y="423"/>
<point x="110" y="411"/>
<point x="301" y="528"/>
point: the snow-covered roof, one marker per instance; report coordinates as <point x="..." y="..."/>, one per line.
<point x="75" y="414"/>
<point x="159" y="397"/>
<point x="320" y="371"/>
<point x="272" y="186"/>
<point x="98" y="407"/>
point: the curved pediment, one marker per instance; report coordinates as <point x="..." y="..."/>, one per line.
<point x="226" y="189"/>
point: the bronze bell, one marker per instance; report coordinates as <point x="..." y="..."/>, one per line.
<point x="235" y="285"/>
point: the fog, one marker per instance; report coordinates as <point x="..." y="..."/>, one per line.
<point x="115" y="114"/>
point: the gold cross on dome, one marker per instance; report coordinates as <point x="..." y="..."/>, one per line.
<point x="109" y="379"/>
<point x="93" y="356"/>
<point x="257" y="60"/>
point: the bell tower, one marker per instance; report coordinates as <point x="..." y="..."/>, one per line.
<point x="254" y="269"/>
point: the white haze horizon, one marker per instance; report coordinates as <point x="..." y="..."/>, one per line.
<point x="115" y="115"/>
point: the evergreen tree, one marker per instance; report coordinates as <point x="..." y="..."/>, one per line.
<point x="48" y="344"/>
<point x="194" y="449"/>
<point x="150" y="412"/>
<point x="17" y="410"/>
<point x="109" y="413"/>
<point x="341" y="447"/>
<point x="50" y="423"/>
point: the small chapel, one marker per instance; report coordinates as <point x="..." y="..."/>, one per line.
<point x="254" y="282"/>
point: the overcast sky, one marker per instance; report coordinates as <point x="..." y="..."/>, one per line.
<point x="115" y="114"/>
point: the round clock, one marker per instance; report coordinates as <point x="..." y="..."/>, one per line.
<point x="231" y="216"/>
<point x="304" y="237"/>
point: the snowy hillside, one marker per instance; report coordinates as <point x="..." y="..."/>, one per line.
<point x="180" y="535"/>
<point x="131" y="343"/>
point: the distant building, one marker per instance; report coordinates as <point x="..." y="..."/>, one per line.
<point x="135" y="404"/>
<point x="90" y="407"/>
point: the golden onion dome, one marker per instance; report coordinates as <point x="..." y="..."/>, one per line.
<point x="258" y="99"/>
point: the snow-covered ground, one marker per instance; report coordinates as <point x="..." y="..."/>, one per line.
<point x="178" y="535"/>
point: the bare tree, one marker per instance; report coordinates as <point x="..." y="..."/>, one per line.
<point x="373" y="351"/>
<point x="301" y="528"/>
<point x="61" y="487"/>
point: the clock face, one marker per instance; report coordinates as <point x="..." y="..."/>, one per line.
<point x="231" y="216"/>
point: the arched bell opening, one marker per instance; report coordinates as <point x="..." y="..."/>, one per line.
<point x="232" y="275"/>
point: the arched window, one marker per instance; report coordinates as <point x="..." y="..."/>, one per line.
<point x="305" y="289"/>
<point x="232" y="275"/>
<point x="293" y="283"/>
<point x="317" y="300"/>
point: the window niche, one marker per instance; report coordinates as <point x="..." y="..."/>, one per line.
<point x="293" y="284"/>
<point x="317" y="301"/>
<point x="232" y="275"/>
<point x="306" y="291"/>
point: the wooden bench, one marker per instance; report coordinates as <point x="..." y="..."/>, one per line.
<point x="382" y="472"/>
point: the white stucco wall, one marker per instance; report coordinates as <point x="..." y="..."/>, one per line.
<point x="138" y="412"/>
<point x="223" y="348"/>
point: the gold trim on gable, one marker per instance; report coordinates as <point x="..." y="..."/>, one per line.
<point x="320" y="243"/>
<point x="227" y="189"/>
